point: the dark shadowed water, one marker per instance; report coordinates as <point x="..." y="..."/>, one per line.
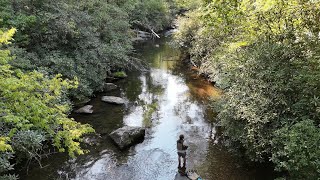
<point x="175" y="99"/>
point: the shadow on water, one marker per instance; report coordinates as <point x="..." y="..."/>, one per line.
<point x="170" y="100"/>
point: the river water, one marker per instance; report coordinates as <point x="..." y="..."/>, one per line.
<point x="170" y="100"/>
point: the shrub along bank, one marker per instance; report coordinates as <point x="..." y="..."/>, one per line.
<point x="61" y="49"/>
<point x="265" y="54"/>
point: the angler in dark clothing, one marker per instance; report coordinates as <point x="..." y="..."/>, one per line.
<point x="181" y="149"/>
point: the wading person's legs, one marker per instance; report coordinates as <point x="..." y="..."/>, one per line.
<point x="184" y="159"/>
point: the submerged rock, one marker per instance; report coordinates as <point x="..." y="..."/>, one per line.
<point x="109" y="87"/>
<point x="85" y="110"/>
<point x="113" y="99"/>
<point x="92" y="140"/>
<point x="127" y="136"/>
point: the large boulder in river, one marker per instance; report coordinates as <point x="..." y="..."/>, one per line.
<point x="109" y="87"/>
<point x="127" y="136"/>
<point x="85" y="110"/>
<point x="113" y="99"/>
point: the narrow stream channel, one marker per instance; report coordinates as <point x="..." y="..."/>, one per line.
<point x="178" y="102"/>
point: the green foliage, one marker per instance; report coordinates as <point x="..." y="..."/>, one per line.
<point x="297" y="150"/>
<point x="188" y="27"/>
<point x="4" y="146"/>
<point x="4" y="162"/>
<point x="83" y="39"/>
<point x="38" y="103"/>
<point x="56" y="41"/>
<point x="189" y="4"/>
<point x="9" y="177"/>
<point x="119" y="74"/>
<point x="265" y="54"/>
<point x="266" y="95"/>
<point x="34" y="110"/>
<point x="151" y="13"/>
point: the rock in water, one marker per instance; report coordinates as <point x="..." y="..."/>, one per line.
<point x="113" y="99"/>
<point x="109" y="87"/>
<point x="92" y="139"/>
<point x="85" y="110"/>
<point x="127" y="136"/>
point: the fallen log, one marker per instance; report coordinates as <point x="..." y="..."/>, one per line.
<point x="149" y="28"/>
<point x="155" y="34"/>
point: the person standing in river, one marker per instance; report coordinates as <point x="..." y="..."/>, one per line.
<point x="182" y="150"/>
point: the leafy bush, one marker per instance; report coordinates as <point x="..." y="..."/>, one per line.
<point x="34" y="110"/>
<point x="57" y="41"/>
<point x="150" y="14"/>
<point x="266" y="56"/>
<point x="296" y="150"/>
<point x="188" y="27"/>
<point x="83" y="39"/>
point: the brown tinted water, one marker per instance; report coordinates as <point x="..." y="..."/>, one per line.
<point x="179" y="97"/>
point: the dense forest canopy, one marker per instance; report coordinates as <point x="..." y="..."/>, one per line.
<point x="54" y="51"/>
<point x="265" y="55"/>
<point x="83" y="39"/>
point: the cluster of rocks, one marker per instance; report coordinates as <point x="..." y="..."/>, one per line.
<point x="124" y="137"/>
<point x="87" y="109"/>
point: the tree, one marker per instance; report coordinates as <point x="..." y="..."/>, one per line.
<point x="265" y="54"/>
<point x="34" y="111"/>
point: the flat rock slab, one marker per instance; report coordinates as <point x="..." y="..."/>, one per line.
<point x="85" y="110"/>
<point x="109" y="87"/>
<point x="127" y="136"/>
<point x="113" y="99"/>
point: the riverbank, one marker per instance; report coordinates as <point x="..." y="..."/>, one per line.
<point x="180" y="109"/>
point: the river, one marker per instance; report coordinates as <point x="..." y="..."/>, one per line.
<point x="170" y="100"/>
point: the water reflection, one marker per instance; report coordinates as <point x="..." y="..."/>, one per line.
<point x="179" y="109"/>
<point x="156" y="157"/>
